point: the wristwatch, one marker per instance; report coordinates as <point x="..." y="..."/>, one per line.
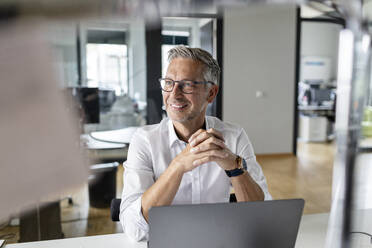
<point x="242" y="166"/>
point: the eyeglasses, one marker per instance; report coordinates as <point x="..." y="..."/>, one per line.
<point x="186" y="86"/>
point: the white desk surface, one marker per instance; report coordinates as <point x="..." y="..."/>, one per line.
<point x="121" y="136"/>
<point x="312" y="234"/>
<point x="366" y="144"/>
<point x="94" y="144"/>
<point x="118" y="240"/>
<point x="313" y="231"/>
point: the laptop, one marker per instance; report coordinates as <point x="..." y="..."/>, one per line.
<point x="260" y="224"/>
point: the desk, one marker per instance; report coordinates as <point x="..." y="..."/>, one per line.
<point x="314" y="107"/>
<point x="313" y="231"/>
<point x="119" y="136"/>
<point x="118" y="240"/>
<point x="104" y="151"/>
<point x="365" y="145"/>
<point x="108" y="146"/>
<point x="312" y="234"/>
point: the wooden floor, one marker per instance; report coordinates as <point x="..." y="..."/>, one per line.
<point x="306" y="176"/>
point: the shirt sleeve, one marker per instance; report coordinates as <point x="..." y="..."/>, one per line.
<point x="245" y="150"/>
<point x="138" y="177"/>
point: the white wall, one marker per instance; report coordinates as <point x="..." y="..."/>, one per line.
<point x="62" y="36"/>
<point x="321" y="39"/>
<point x="259" y="55"/>
<point x="137" y="60"/>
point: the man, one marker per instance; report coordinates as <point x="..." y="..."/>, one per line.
<point x="187" y="157"/>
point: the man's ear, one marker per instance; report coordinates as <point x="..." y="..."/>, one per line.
<point x="213" y="91"/>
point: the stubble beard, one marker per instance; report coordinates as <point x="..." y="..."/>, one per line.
<point x="188" y="117"/>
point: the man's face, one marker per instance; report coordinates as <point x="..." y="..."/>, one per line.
<point x="183" y="107"/>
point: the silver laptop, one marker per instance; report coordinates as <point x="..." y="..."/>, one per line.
<point x="261" y="224"/>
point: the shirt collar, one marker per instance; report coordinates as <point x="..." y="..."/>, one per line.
<point x="172" y="132"/>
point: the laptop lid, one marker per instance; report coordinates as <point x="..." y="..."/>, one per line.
<point x="245" y="224"/>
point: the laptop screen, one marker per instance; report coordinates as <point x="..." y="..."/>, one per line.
<point x="244" y="224"/>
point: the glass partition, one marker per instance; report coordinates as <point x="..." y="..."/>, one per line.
<point x="264" y="51"/>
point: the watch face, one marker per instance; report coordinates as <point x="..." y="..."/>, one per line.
<point x="244" y="164"/>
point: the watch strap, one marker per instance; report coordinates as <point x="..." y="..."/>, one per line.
<point x="234" y="172"/>
<point x="242" y="165"/>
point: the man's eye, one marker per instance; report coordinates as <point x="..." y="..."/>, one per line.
<point x="168" y="82"/>
<point x="189" y="84"/>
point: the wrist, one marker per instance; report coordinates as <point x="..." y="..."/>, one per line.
<point x="234" y="164"/>
<point x="176" y="168"/>
<point x="239" y="168"/>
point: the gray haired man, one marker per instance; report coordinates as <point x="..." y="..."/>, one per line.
<point x="188" y="158"/>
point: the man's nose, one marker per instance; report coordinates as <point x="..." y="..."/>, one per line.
<point x="177" y="89"/>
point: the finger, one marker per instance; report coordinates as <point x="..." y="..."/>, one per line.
<point x="213" y="156"/>
<point x="210" y="144"/>
<point x="215" y="141"/>
<point x="200" y="161"/>
<point x="197" y="163"/>
<point x="200" y="138"/>
<point x="204" y="147"/>
<point x="216" y="133"/>
<point x="195" y="134"/>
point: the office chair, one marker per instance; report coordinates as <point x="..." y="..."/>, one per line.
<point x="115" y="207"/>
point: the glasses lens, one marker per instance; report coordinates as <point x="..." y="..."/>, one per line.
<point x="188" y="86"/>
<point x="166" y="84"/>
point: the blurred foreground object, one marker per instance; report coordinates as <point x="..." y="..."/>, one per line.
<point x="39" y="147"/>
<point x="151" y="10"/>
<point x="352" y="85"/>
<point x="367" y="122"/>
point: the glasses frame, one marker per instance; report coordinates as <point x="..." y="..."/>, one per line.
<point x="181" y="84"/>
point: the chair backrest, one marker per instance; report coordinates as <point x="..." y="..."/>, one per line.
<point x="115" y="209"/>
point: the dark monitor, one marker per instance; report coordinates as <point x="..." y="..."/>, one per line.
<point x="321" y="95"/>
<point x="86" y="101"/>
<point x="107" y="98"/>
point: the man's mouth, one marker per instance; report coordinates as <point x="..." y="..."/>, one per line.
<point x="178" y="106"/>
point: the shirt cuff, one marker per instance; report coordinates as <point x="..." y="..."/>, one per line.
<point x="133" y="222"/>
<point x="142" y="223"/>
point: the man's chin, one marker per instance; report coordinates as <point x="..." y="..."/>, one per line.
<point x="178" y="117"/>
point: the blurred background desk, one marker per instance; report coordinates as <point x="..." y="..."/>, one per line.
<point x="101" y="152"/>
<point x="107" y="149"/>
<point x="316" y="123"/>
<point x="365" y="145"/>
<point x="108" y="146"/>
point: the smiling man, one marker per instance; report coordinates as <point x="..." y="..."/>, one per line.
<point x="188" y="158"/>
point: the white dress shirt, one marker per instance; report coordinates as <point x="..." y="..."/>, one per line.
<point x="152" y="149"/>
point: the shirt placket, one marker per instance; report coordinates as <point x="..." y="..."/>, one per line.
<point x="196" y="185"/>
<point x="195" y="181"/>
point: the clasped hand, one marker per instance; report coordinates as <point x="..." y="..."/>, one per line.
<point x="205" y="146"/>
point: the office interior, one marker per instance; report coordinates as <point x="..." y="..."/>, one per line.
<point x="279" y="82"/>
